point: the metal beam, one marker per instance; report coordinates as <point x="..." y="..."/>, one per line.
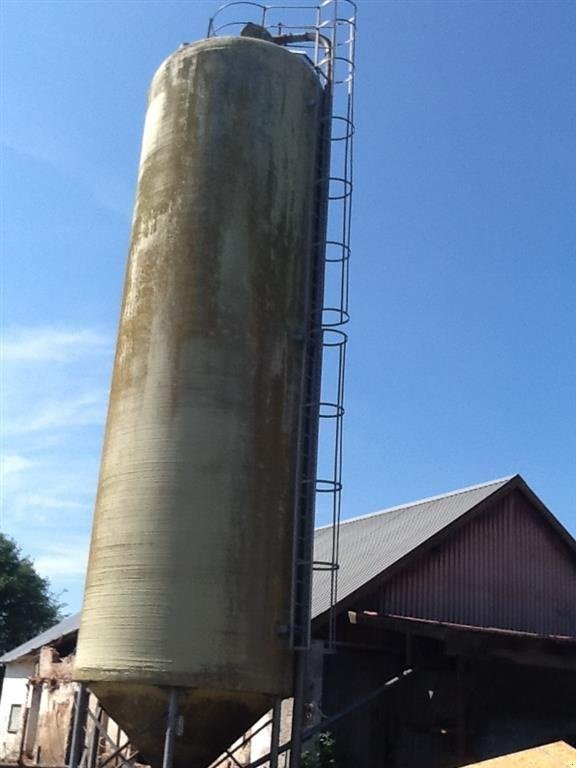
<point x="275" y="735"/>
<point x="94" y="742"/>
<point x="296" y="739"/>
<point x="239" y="745"/>
<point x="79" y="726"/>
<point x="330" y="721"/>
<point x="106" y="736"/>
<point x="170" y="736"/>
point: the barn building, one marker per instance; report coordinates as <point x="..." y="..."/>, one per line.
<point x="475" y="592"/>
<point x="455" y="639"/>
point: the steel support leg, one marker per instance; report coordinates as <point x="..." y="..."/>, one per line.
<point x="170" y="736"/>
<point x="94" y="742"/>
<point x="79" y="727"/>
<point x="275" y="735"/>
<point x="300" y="672"/>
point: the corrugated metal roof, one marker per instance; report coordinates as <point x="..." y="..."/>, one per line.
<point x="373" y="543"/>
<point x="368" y="545"/>
<point x="64" y="627"/>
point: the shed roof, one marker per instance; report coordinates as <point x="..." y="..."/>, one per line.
<point x="373" y="543"/>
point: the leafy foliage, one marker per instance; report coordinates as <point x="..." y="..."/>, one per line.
<point x="324" y="756"/>
<point x="27" y="606"/>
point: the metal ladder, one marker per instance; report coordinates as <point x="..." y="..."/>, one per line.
<point x="325" y="33"/>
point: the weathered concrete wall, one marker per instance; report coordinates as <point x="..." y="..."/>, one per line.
<point x="52" y="667"/>
<point x="54" y="721"/>
<point x="14" y="691"/>
<point x="43" y="687"/>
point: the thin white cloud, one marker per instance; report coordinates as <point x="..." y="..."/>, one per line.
<point x="42" y="345"/>
<point x="43" y="501"/>
<point x="49" y="499"/>
<point x="67" y="561"/>
<point x="55" y="391"/>
<point x="87" y="409"/>
<point x="13" y="464"/>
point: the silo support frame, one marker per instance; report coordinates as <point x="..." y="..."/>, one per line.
<point x="275" y="733"/>
<point x="89" y="755"/>
<point x="171" y="726"/>
<point x="309" y="733"/>
<point x="84" y="745"/>
<point x="301" y="676"/>
<point x="79" y="726"/>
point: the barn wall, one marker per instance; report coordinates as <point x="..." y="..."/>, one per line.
<point x="451" y="710"/>
<point x="54" y="722"/>
<point x="506" y="568"/>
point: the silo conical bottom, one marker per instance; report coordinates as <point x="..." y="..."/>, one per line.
<point x="212" y="719"/>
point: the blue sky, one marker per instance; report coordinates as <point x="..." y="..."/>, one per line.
<point x="462" y="358"/>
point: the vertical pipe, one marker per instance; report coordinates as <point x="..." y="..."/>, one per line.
<point x="170" y="736"/>
<point x="275" y="735"/>
<point x="79" y="726"/>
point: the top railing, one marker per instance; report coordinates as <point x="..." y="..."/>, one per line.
<point x="333" y="20"/>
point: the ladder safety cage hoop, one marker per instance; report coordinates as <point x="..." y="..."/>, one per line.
<point x="325" y="33"/>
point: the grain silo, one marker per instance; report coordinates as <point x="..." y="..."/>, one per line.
<point x="190" y="564"/>
<point x="198" y="591"/>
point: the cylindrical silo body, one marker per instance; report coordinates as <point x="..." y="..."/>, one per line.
<point x="189" y="574"/>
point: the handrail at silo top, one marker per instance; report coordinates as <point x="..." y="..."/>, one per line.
<point x="288" y="39"/>
<point x="311" y="37"/>
<point x="223" y="7"/>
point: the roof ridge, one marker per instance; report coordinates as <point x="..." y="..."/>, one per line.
<point x="419" y="502"/>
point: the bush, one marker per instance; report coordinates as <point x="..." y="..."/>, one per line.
<point x="323" y="756"/>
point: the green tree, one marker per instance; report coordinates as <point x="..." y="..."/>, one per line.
<point x="27" y="606"/>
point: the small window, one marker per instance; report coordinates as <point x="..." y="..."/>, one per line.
<point x="15" y="717"/>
